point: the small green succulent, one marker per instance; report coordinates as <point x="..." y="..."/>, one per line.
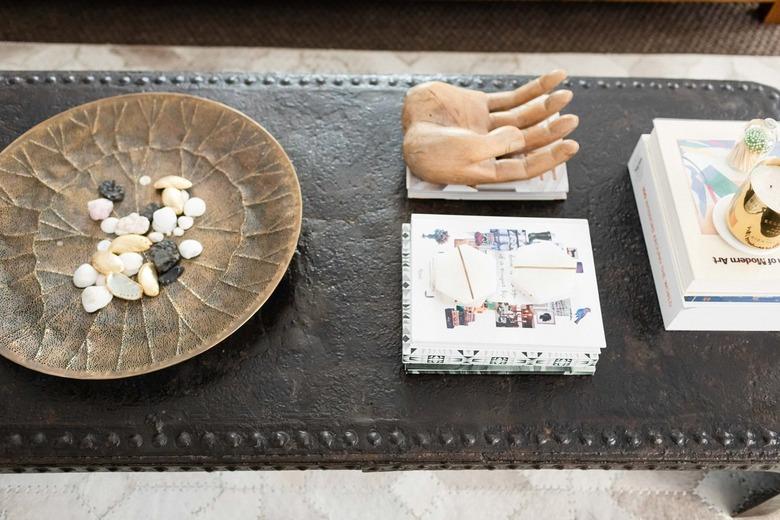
<point x="758" y="140"/>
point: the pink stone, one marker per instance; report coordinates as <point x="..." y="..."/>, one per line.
<point x="100" y="209"/>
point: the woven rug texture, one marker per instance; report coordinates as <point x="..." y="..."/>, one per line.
<point x="507" y="26"/>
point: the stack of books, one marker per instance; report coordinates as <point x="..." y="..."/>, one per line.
<point x="512" y="331"/>
<point x="679" y="173"/>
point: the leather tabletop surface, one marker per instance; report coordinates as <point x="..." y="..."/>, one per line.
<point x="315" y="380"/>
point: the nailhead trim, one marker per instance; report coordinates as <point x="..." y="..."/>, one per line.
<point x="378" y="466"/>
<point x="303" y="80"/>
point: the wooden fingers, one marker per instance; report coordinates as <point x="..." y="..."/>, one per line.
<point x="501" y="141"/>
<point x="531" y="90"/>
<point x="535" y="163"/>
<point x="532" y="113"/>
<point x="541" y="135"/>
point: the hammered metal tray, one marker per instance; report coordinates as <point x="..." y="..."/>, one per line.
<point x="49" y="173"/>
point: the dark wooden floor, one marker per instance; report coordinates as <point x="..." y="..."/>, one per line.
<point x="461" y="26"/>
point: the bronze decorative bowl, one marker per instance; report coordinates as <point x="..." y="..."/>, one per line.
<point x="47" y="175"/>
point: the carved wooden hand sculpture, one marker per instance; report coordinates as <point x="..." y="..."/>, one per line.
<point x="454" y="135"/>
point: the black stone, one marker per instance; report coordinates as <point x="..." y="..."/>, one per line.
<point x="171" y="275"/>
<point x="149" y="210"/>
<point x="111" y="191"/>
<point x="164" y="255"/>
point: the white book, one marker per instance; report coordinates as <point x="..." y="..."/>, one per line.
<point x="504" y="325"/>
<point x="676" y="312"/>
<point x="666" y="217"/>
<point x="553" y="185"/>
<point x="693" y="174"/>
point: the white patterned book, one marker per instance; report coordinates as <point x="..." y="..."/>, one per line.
<point x="507" y="333"/>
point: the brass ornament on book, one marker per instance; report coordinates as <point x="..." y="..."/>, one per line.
<point x="454" y="135"/>
<point x="754" y="215"/>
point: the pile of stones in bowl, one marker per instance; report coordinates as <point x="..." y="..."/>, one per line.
<point x="142" y="247"/>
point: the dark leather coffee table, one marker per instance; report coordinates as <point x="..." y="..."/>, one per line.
<point x="315" y="378"/>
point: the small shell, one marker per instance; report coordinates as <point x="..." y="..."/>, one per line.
<point x="130" y="244"/>
<point x="190" y="248"/>
<point x="109" y="225"/>
<point x="172" y="198"/>
<point x="145" y="180"/>
<point x="177" y="232"/>
<point x="147" y="277"/>
<point x="155" y="236"/>
<point x="95" y="298"/>
<point x="132" y="263"/>
<point x="103" y="245"/>
<point x="84" y="276"/>
<point x="185" y="222"/>
<point x="123" y="287"/>
<point x="173" y="181"/>
<point x="106" y="262"/>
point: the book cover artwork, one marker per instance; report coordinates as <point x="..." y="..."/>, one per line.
<point x="504" y="313"/>
<point x="709" y="175"/>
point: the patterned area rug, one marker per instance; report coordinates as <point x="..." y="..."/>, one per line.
<point x="709" y="28"/>
<point x="531" y="495"/>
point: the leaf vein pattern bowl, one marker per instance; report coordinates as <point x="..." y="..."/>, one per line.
<point x="47" y="175"/>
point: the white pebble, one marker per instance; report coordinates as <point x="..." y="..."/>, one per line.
<point x="99" y="209"/>
<point x="177" y="232"/>
<point x="109" y="225"/>
<point x="195" y="207"/>
<point x="84" y="276"/>
<point x="145" y="180"/>
<point x="190" y="248"/>
<point x="101" y="279"/>
<point x="95" y="298"/>
<point x="134" y="224"/>
<point x="185" y="222"/>
<point x="155" y="236"/>
<point x="185" y="195"/>
<point x="103" y="245"/>
<point x="164" y="220"/>
<point x="132" y="262"/>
